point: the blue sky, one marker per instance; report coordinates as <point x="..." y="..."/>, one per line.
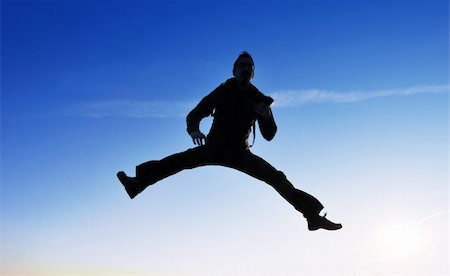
<point x="93" y="87"/>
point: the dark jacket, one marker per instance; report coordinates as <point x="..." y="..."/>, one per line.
<point x="233" y="115"/>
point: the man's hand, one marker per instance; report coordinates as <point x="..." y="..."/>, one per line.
<point x="198" y="138"/>
<point x="262" y="110"/>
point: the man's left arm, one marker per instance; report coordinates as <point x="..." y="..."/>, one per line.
<point x="266" y="121"/>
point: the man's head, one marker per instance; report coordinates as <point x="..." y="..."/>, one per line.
<point x="244" y="68"/>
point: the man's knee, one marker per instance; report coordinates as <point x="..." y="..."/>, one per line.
<point x="280" y="176"/>
<point x="279" y="181"/>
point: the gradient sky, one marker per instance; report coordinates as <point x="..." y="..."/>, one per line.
<point x="93" y="87"/>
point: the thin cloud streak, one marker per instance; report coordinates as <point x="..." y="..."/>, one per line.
<point x="293" y="98"/>
<point x="132" y="109"/>
<point x="283" y="99"/>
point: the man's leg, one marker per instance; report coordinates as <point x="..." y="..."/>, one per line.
<point x="151" y="172"/>
<point x="303" y="202"/>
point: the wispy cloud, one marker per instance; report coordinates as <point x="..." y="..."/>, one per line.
<point x="133" y="109"/>
<point x="283" y="98"/>
<point x="292" y="98"/>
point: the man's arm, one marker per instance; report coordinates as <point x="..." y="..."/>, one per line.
<point x="264" y="115"/>
<point x="266" y="121"/>
<point x="202" y="110"/>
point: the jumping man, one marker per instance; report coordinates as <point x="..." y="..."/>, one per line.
<point x="235" y="105"/>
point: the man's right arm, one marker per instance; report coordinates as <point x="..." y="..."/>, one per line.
<point x="202" y="110"/>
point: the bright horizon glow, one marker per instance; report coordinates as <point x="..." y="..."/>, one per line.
<point x="401" y="239"/>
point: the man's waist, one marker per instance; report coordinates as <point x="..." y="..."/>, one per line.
<point x="228" y="139"/>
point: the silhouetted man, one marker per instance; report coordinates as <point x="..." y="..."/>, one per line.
<point x="236" y="105"/>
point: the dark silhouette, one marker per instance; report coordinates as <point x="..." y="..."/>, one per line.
<point x="236" y="105"/>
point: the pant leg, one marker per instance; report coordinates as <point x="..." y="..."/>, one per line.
<point x="152" y="171"/>
<point x="257" y="167"/>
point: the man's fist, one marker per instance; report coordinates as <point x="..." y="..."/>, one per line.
<point x="197" y="137"/>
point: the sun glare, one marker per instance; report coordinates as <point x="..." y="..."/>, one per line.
<point x="401" y="239"/>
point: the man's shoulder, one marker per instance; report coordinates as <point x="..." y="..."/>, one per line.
<point x="254" y="89"/>
<point x="261" y="97"/>
<point x="229" y="83"/>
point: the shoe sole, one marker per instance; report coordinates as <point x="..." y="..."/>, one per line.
<point x="329" y="229"/>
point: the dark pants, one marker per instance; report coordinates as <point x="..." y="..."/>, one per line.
<point x="152" y="171"/>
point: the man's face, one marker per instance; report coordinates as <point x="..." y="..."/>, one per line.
<point x="243" y="71"/>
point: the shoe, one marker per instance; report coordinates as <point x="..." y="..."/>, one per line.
<point x="132" y="185"/>
<point x="317" y="222"/>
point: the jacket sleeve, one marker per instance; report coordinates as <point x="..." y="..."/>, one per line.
<point x="267" y="126"/>
<point x="203" y="109"/>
